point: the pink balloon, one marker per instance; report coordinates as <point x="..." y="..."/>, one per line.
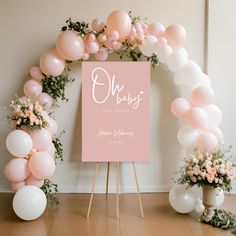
<point x="92" y="47"/>
<point x="15" y="186"/>
<point x="91" y="38"/>
<point x="217" y="133"/>
<point x="85" y="56"/>
<point x="70" y="45"/>
<point x="175" y="35"/>
<point x="36" y="73"/>
<point x="162" y="42"/>
<point x="197" y="118"/>
<point x="202" y="96"/>
<point x="17" y="169"/>
<point x="206" y="142"/>
<point x="52" y="127"/>
<point x="32" y="88"/>
<point x="180" y="106"/>
<point x="101" y="55"/>
<point x="42" y="165"/>
<point x="97" y="25"/>
<point x="45" y="100"/>
<point x="41" y="139"/>
<point x="31" y="180"/>
<point x="51" y="149"/>
<point x="114" y="35"/>
<point x="119" y="21"/>
<point x="51" y="63"/>
<point x="155" y="29"/>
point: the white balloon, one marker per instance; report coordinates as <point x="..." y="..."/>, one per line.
<point x="214" y="114"/>
<point x="217" y="132"/>
<point x="163" y="53"/>
<point x="29" y="202"/>
<point x="19" y="143"/>
<point x="199" y="207"/>
<point x="220" y="197"/>
<point x="177" y="59"/>
<point x="182" y="200"/>
<point x="150" y="46"/>
<point x="187" y="136"/>
<point x="189" y="74"/>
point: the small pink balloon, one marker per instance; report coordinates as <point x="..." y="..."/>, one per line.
<point x="102" y="38"/>
<point x="206" y="142"/>
<point x="36" y="73"/>
<point x="97" y="25"/>
<point x="202" y="96"/>
<point x="101" y="55"/>
<point x="155" y="29"/>
<point x="51" y="149"/>
<point x="114" y="36"/>
<point x="15" y="186"/>
<point x="32" y="88"/>
<point x="196" y="118"/>
<point x="17" y="169"/>
<point x="51" y="63"/>
<point x="92" y="47"/>
<point x="41" y="139"/>
<point x="162" y="42"/>
<point x="180" y="106"/>
<point x="45" y="100"/>
<point x="85" y="56"/>
<point x="70" y="45"/>
<point x="91" y="38"/>
<point x="31" y="180"/>
<point x="175" y="35"/>
<point x="42" y="165"/>
<point x="108" y="43"/>
<point x="217" y="132"/>
<point x="118" y="21"/>
<point x="52" y="127"/>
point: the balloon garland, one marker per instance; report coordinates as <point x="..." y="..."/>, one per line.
<point x="33" y="143"/>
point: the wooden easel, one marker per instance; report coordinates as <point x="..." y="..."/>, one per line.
<point x="117" y="188"/>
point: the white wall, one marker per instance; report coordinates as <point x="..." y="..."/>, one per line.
<point x="29" y="28"/>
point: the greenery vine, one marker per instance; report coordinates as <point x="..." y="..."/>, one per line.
<point x="50" y="189"/>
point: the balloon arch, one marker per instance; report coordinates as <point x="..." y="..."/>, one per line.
<point x="33" y="142"/>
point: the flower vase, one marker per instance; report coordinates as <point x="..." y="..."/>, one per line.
<point x="209" y="201"/>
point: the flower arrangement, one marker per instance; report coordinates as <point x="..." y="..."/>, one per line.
<point x="213" y="169"/>
<point x="28" y="113"/>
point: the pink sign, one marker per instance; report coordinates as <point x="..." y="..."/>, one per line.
<point x="115" y="111"/>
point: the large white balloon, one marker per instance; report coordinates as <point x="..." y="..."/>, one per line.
<point x="220" y="197"/>
<point x="163" y="53"/>
<point x="182" y="200"/>
<point x="19" y="143"/>
<point x="187" y="136"/>
<point x="150" y="45"/>
<point x="29" y="202"/>
<point x="177" y="59"/>
<point x="214" y="114"/>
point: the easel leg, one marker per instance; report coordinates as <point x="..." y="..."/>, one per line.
<point x="117" y="190"/>
<point x="107" y="183"/>
<point x="137" y="185"/>
<point x="93" y="188"/>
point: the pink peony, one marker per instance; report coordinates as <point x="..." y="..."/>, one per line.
<point x="210" y="178"/>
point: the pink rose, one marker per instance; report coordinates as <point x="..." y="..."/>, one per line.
<point x="211" y="170"/>
<point x="210" y="178"/>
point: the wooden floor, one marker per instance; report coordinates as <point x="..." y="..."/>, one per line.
<point x="69" y="218"/>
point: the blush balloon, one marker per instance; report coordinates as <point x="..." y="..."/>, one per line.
<point x="155" y="29"/>
<point x="36" y="73"/>
<point x="41" y="139"/>
<point x="197" y="118"/>
<point x="180" y="106"/>
<point x="45" y="100"/>
<point x="42" y="165"/>
<point x="118" y="21"/>
<point x="202" y="96"/>
<point x="17" y="169"/>
<point x="51" y="149"/>
<point x="175" y="35"/>
<point x="32" y="88"/>
<point x="51" y="63"/>
<point x="31" y="180"/>
<point x="206" y="142"/>
<point x="101" y="55"/>
<point x="92" y="47"/>
<point x="52" y="127"/>
<point x="97" y="25"/>
<point x="217" y="132"/>
<point x="70" y="45"/>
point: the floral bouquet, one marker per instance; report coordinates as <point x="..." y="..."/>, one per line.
<point x="211" y="169"/>
<point x="28" y="113"/>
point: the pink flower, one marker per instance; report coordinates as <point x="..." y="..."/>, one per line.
<point x="211" y="170"/>
<point x="210" y="178"/>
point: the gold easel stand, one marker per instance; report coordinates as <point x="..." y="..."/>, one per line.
<point x="117" y="188"/>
